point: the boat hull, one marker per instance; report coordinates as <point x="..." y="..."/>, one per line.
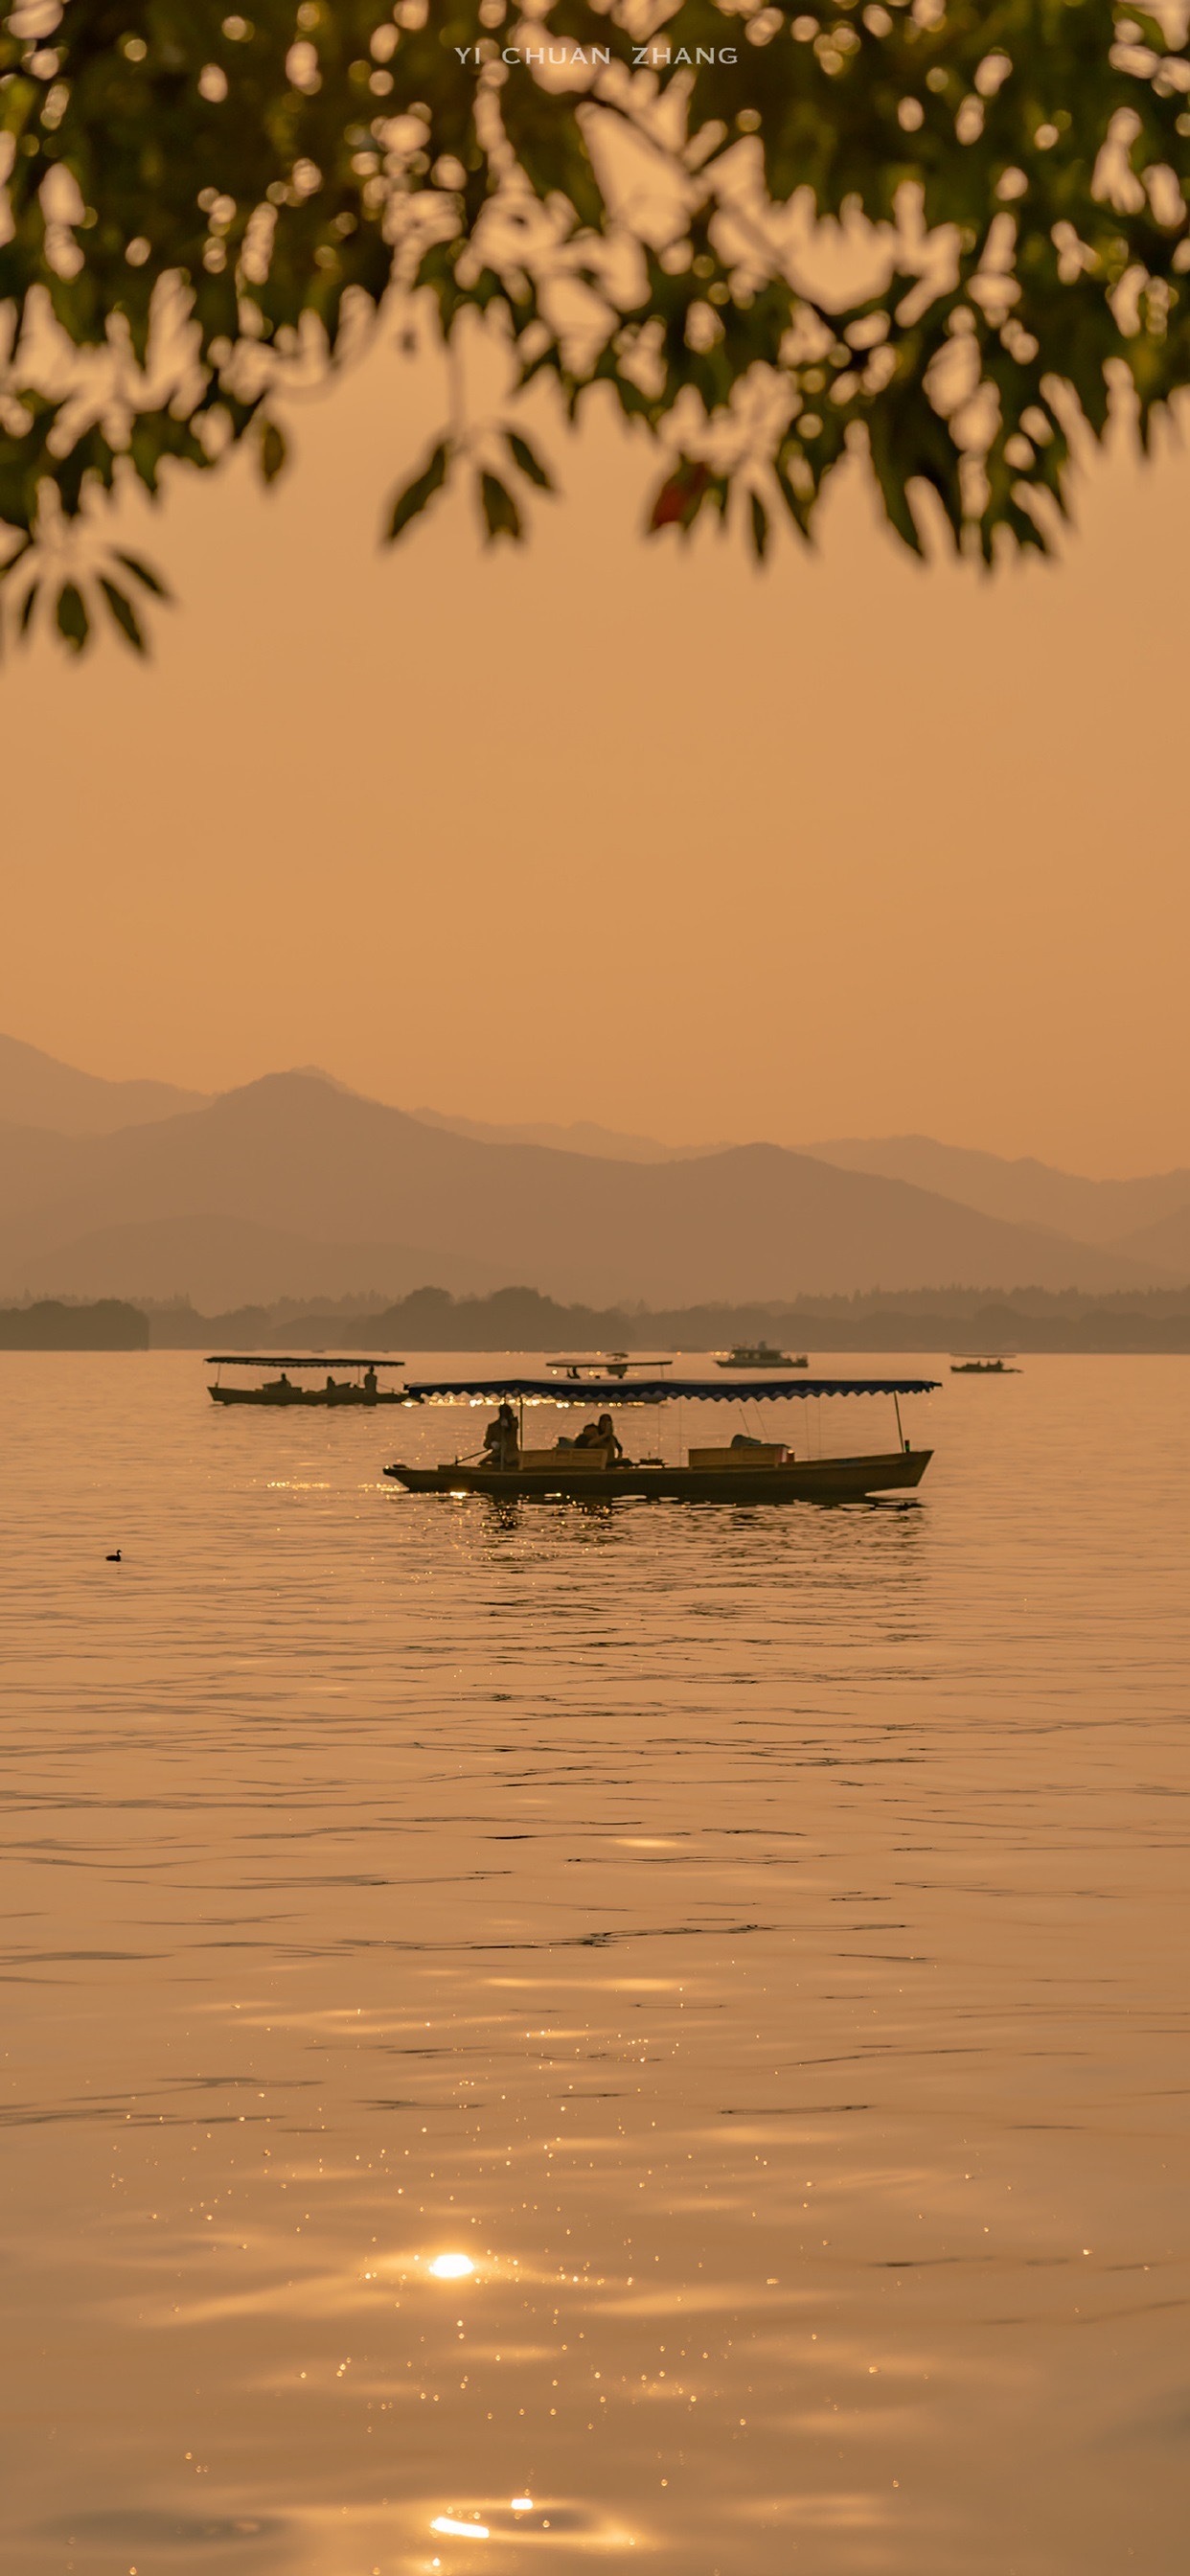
<point x="809" y="1480"/>
<point x="353" y="1396"/>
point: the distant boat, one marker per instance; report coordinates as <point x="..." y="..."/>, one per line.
<point x="361" y="1389"/>
<point x="760" y="1355"/>
<point x="983" y="1368"/>
<point x="604" y="1364"/>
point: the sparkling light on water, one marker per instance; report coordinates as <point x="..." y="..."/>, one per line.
<point x="761" y="1935"/>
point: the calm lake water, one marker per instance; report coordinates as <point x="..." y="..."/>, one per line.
<point x="754" y="1943"/>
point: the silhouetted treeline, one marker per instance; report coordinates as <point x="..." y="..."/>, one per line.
<point x="510" y="1319"/>
<point x="109" y="1325"/>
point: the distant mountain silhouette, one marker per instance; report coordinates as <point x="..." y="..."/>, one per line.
<point x="1166" y="1244"/>
<point x="1025" y="1192"/>
<point x="37" y="1091"/>
<point x="607" y="1144"/>
<point x="1022" y="1191"/>
<point x="59" y="1102"/>
<point x="296" y="1154"/>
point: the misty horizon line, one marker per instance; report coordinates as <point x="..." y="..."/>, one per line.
<point x="958" y="1298"/>
<point x="429" y="1321"/>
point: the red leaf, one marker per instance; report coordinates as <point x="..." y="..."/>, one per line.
<point x="678" y="499"/>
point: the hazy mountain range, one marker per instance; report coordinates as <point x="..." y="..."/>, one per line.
<point x="294" y="1185"/>
<point x="607" y="1144"/>
<point x="37" y="1091"/>
<point x="1123" y="1213"/>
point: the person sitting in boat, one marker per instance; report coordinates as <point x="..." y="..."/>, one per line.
<point x="369" y="1382"/>
<point x="500" y="1445"/>
<point x="600" y="1435"/>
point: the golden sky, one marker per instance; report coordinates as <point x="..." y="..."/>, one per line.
<point x="608" y="830"/>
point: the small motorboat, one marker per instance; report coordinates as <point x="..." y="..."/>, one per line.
<point x="984" y="1368"/>
<point x="361" y="1389"/>
<point x="760" y="1355"/>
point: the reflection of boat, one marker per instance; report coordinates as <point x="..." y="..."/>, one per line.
<point x="760" y="1355"/>
<point x="743" y="1470"/>
<point x="983" y="1368"/>
<point x="361" y="1389"/>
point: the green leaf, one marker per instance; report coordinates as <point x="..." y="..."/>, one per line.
<point x="143" y="572"/>
<point x="28" y="605"/>
<point x="274" y="450"/>
<point x="123" y="612"/>
<point x="71" y="614"/>
<point x="528" y="461"/>
<point x="759" y="526"/>
<point x="501" y="515"/>
<point x="800" y="510"/>
<point x="412" y="500"/>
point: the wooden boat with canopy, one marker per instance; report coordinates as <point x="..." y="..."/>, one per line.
<point x="594" y="1467"/>
<point x="361" y="1388"/>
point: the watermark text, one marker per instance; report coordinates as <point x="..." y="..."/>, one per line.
<point x="597" y="57"/>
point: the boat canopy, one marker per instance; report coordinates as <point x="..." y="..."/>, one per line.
<point x="277" y="1359"/>
<point x="662" y="1390"/>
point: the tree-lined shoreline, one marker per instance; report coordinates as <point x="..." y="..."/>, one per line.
<point x="931" y="1319"/>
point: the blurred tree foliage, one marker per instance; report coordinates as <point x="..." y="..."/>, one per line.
<point x="946" y="232"/>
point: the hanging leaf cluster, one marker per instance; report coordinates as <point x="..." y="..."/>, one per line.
<point x="947" y="235"/>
